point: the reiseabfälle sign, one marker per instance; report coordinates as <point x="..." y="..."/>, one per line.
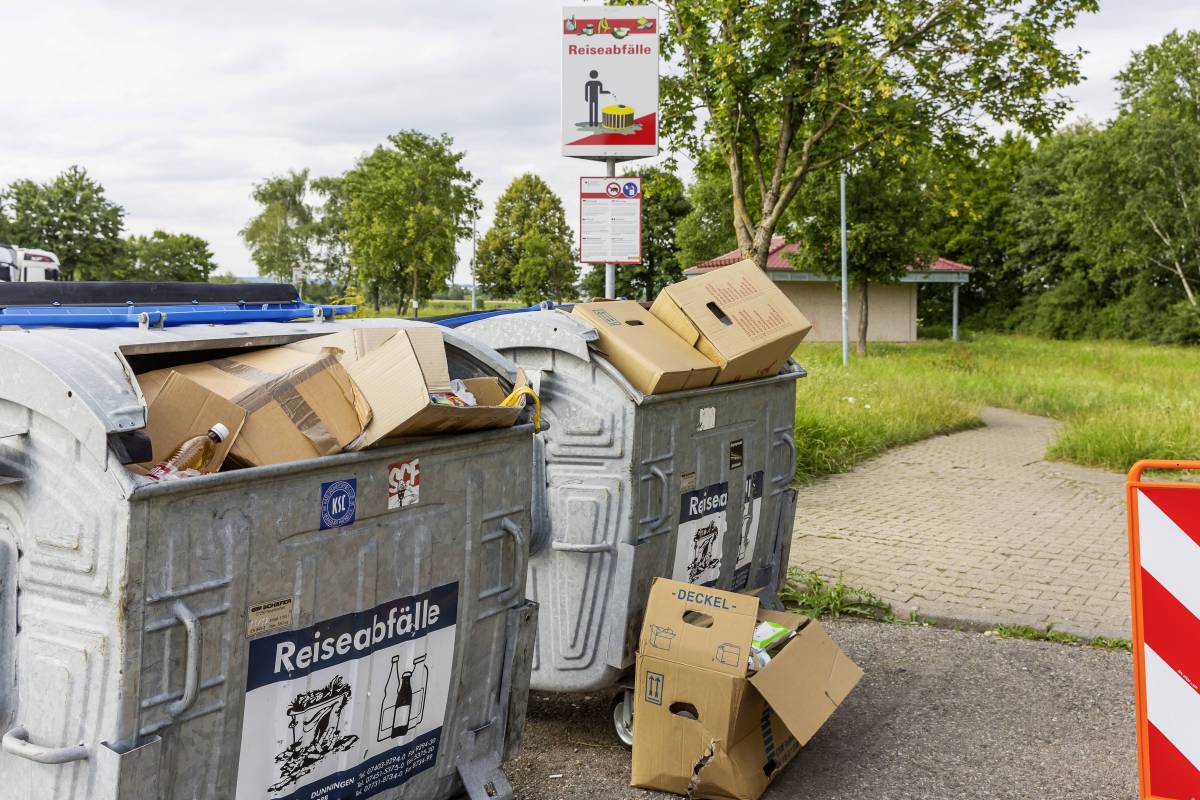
<point x="610" y="81"/>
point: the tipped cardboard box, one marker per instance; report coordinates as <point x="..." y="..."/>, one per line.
<point x="648" y="353"/>
<point x="704" y="723"/>
<point x="735" y="316"/>
<point x="397" y="374"/>
<point x="182" y="409"/>
<point x="298" y="405"/>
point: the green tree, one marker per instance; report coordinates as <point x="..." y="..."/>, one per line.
<point x="71" y="217"/>
<point x="884" y="233"/>
<point x="279" y="235"/>
<point x="784" y="89"/>
<point x="407" y="203"/>
<point x="664" y="206"/>
<point x="328" y="235"/>
<point x="545" y="269"/>
<point x="707" y="231"/>
<point x="529" y="212"/>
<point x="163" y="256"/>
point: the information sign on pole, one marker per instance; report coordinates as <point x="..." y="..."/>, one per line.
<point x="610" y="220"/>
<point x="610" y="82"/>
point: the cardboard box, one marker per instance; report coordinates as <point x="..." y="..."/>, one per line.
<point x="703" y="722"/>
<point x="737" y="317"/>
<point x="397" y="375"/>
<point x="348" y="346"/>
<point x="182" y="409"/>
<point x="298" y="405"/>
<point x="647" y="352"/>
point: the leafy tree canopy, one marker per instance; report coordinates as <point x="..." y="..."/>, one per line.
<point x="163" y="256"/>
<point x="528" y="213"/>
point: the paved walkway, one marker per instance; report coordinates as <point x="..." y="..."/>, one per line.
<point x="976" y="528"/>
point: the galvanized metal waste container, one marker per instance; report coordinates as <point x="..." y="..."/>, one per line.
<point x="147" y="630"/>
<point x="694" y="485"/>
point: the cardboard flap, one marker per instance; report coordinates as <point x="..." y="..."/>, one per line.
<point x="806" y="682"/>
<point x="351" y="345"/>
<point x="182" y="409"/>
<point x="698" y="626"/>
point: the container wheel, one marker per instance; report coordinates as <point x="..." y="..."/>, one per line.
<point x="621" y="710"/>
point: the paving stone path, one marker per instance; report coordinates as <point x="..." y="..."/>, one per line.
<point x="976" y="528"/>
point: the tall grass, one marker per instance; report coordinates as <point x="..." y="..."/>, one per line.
<point x="1119" y="401"/>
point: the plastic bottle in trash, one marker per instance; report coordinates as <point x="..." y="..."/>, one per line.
<point x="387" y="712"/>
<point x="195" y="453"/>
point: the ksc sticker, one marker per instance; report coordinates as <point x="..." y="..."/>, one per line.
<point x="338" y="503"/>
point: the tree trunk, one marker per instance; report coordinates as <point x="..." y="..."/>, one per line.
<point x="861" y="346"/>
<point x="377" y="294"/>
<point x="762" y="246"/>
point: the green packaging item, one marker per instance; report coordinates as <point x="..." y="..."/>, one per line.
<point x="767" y="634"/>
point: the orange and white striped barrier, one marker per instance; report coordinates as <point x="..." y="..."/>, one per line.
<point x="1164" y="556"/>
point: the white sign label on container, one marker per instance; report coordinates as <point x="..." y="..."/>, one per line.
<point x="700" y="540"/>
<point x="351" y="706"/>
<point x="610" y="220"/>
<point x="610" y="81"/>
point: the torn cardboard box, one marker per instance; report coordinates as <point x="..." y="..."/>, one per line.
<point x="182" y="409"/>
<point x="399" y="370"/>
<point x="704" y="723"/>
<point x="298" y="405"/>
<point x="648" y="353"/>
<point x="735" y="316"/>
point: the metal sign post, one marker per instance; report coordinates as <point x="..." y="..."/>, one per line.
<point x="845" y="283"/>
<point x="610" y="88"/>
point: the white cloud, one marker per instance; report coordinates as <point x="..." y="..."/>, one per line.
<point x="179" y="108"/>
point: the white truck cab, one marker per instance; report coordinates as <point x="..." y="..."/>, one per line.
<point x="27" y="264"/>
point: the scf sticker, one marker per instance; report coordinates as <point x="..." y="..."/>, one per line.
<point x="338" y="503"/>
<point x="404" y="483"/>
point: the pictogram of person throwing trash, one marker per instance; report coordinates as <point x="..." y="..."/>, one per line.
<point x="591" y="93"/>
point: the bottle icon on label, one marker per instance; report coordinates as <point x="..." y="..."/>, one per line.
<point x="420" y="679"/>
<point x="403" y="706"/>
<point x="387" y="712"/>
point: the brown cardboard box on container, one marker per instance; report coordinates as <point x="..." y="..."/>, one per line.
<point x="648" y="353"/>
<point x="703" y="722"/>
<point x="298" y="405"/>
<point x="182" y="409"/>
<point x="737" y="317"/>
<point x="397" y="374"/>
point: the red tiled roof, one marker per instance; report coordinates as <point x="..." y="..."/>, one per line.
<point x="780" y="249"/>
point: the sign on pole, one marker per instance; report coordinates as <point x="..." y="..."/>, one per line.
<point x="610" y="82"/>
<point x="610" y="220"/>
<point x="1164" y="555"/>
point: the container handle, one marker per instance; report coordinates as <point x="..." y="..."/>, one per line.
<point x="508" y="593"/>
<point x="793" y="452"/>
<point x="664" y="509"/>
<point x="16" y="742"/>
<point x="191" y="675"/>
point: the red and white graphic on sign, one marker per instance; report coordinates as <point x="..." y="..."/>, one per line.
<point x="1167" y="628"/>
<point x="404" y="483"/>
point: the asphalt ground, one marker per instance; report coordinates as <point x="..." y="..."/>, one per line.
<point x="939" y="715"/>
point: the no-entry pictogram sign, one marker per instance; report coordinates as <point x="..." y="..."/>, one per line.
<point x="1164" y="554"/>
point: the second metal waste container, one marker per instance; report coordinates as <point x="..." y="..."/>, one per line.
<point x="274" y="632"/>
<point x="694" y="485"/>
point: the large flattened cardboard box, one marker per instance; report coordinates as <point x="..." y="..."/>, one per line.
<point x="703" y="722"/>
<point x="648" y="353"/>
<point x="737" y="317"/>
<point x="397" y="369"/>
<point x="298" y="405"/>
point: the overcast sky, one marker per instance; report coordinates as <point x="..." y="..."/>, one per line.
<point x="177" y="108"/>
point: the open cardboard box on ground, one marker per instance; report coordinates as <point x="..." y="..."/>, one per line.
<point x="704" y="724"/>
<point x="397" y="369"/>
<point x="182" y="409"/>
<point x="297" y="405"/>
<point x="736" y="317"/>
<point x="648" y="353"/>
